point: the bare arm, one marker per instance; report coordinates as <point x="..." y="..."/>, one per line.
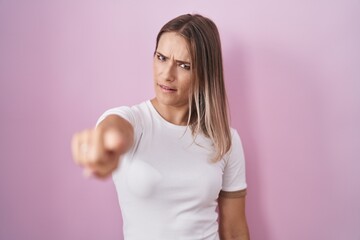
<point x="232" y="219"/>
<point x="98" y="150"/>
<point x="122" y="127"/>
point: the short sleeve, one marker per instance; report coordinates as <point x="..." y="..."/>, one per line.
<point x="128" y="114"/>
<point x="234" y="172"/>
<point x="124" y="112"/>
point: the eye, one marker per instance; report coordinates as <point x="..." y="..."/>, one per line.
<point x="160" y="57"/>
<point x="185" y="66"/>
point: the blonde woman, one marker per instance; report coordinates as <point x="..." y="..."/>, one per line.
<point x="178" y="167"/>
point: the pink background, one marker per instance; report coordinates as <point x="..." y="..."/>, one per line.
<point x="292" y="72"/>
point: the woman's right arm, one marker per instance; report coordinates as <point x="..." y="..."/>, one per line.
<point x="98" y="150"/>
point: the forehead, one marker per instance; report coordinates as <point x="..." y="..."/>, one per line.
<point x="174" y="45"/>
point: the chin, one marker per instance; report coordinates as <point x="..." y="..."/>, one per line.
<point x="170" y="101"/>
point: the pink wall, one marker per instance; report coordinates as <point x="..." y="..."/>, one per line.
<point x="292" y="73"/>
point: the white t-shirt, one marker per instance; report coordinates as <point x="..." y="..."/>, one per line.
<point x="166" y="184"/>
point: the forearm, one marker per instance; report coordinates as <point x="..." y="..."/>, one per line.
<point x="245" y="237"/>
<point x="242" y="234"/>
<point x="121" y="126"/>
<point x="232" y="220"/>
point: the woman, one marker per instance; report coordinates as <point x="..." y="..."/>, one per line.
<point x="174" y="159"/>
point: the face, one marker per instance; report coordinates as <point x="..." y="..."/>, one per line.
<point x="172" y="70"/>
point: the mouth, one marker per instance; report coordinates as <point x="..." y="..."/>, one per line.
<point x="166" y="88"/>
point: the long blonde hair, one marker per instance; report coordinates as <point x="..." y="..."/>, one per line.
<point x="208" y="108"/>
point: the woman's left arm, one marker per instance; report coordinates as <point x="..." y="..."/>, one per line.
<point x="232" y="219"/>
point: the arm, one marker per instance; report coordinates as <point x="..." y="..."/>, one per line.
<point x="98" y="150"/>
<point x="117" y="125"/>
<point x="232" y="219"/>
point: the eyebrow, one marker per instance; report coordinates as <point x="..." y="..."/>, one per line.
<point x="179" y="61"/>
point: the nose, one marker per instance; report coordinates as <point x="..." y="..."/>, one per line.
<point x="169" y="72"/>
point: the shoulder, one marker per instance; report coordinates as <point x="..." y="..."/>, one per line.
<point x="132" y="114"/>
<point x="236" y="152"/>
<point x="235" y="139"/>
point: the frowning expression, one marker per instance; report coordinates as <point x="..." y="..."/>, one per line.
<point x="172" y="70"/>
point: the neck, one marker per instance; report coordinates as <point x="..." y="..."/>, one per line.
<point x="177" y="115"/>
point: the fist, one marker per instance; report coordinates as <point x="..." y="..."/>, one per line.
<point x="98" y="151"/>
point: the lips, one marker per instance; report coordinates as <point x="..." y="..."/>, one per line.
<point x="166" y="88"/>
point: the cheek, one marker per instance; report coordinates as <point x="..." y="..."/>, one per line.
<point x="156" y="68"/>
<point x="187" y="80"/>
<point x="155" y="73"/>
